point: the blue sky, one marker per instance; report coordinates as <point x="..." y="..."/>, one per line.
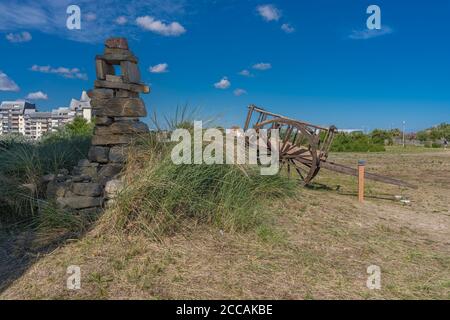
<point x="312" y="60"/>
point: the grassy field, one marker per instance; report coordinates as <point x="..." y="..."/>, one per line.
<point x="315" y="244"/>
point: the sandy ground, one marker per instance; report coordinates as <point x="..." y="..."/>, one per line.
<point x="319" y="246"/>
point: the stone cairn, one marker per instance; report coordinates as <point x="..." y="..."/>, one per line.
<point x="116" y="105"/>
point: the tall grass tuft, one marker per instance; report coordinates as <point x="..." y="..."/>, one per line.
<point x="24" y="162"/>
<point x="159" y="195"/>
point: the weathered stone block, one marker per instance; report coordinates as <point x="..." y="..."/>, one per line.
<point x="130" y="72"/>
<point x="119" y="107"/>
<point x="101" y="93"/>
<point x="110" y="170"/>
<point x="103" y="121"/>
<point x="102" y="68"/>
<point x="79" y="202"/>
<point x="118" y="154"/>
<point x="121" y="127"/>
<point x="120" y="43"/>
<point x="125" y="86"/>
<point x="116" y="58"/>
<point x="114" y="78"/>
<point x="90" y="171"/>
<point x="87" y="189"/>
<point x="86" y="163"/>
<point x="120" y="93"/>
<point x="104" y="140"/>
<point x="56" y="189"/>
<point x="112" y="188"/>
<point x="98" y="154"/>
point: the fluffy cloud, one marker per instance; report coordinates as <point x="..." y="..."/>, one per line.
<point x="223" y="84"/>
<point x="239" y="92"/>
<point x="7" y="84"/>
<point x="245" y="73"/>
<point x="49" y="16"/>
<point x="286" y="27"/>
<point x="23" y="36"/>
<point x="369" y="34"/>
<point x="38" y="95"/>
<point x="262" y="66"/>
<point x="121" y="20"/>
<point x="159" y="68"/>
<point x="157" y="26"/>
<point x="269" y="12"/>
<point x="71" y="73"/>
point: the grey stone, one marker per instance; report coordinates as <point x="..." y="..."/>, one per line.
<point x="125" y="86"/>
<point x="79" y="202"/>
<point x="116" y="56"/>
<point x="82" y="178"/>
<point x="120" y="93"/>
<point x="110" y="170"/>
<point x="112" y="188"/>
<point x="87" y="189"/>
<point x="119" y="107"/>
<point x="121" y="127"/>
<point x="114" y="78"/>
<point x="101" y="93"/>
<point x="102" y="68"/>
<point x="103" y="121"/>
<point x="118" y="154"/>
<point x="118" y="42"/>
<point x="86" y="163"/>
<point x="56" y="189"/>
<point x="98" y="154"/>
<point x="89" y="171"/>
<point x="130" y="72"/>
<point x="112" y="139"/>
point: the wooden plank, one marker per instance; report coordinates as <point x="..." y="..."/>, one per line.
<point x="371" y="176"/>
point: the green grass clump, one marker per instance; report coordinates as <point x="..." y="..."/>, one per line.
<point x="24" y="162"/>
<point x="159" y="195"/>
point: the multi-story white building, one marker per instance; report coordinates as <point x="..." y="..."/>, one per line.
<point x="21" y="117"/>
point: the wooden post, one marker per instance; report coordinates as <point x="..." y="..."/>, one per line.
<point x="361" y="167"/>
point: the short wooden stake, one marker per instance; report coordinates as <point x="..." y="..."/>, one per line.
<point x="361" y="167"/>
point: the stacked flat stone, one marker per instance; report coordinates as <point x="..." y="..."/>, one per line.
<point x="117" y="107"/>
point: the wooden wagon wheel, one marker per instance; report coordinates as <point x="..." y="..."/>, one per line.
<point x="298" y="146"/>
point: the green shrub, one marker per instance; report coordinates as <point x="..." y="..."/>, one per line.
<point x="436" y="145"/>
<point x="356" y="142"/>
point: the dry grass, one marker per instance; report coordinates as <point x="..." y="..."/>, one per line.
<point x="321" y="242"/>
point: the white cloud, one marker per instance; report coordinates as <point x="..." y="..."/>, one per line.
<point x="71" y="73"/>
<point x="269" y="12"/>
<point x="223" y="84"/>
<point x="49" y="16"/>
<point x="160" y="27"/>
<point x="245" y="73"/>
<point x="23" y="36"/>
<point x="159" y="68"/>
<point x="121" y="20"/>
<point x="369" y="34"/>
<point x="239" y="92"/>
<point x="286" y="27"/>
<point x="7" y="84"/>
<point x="262" y="66"/>
<point x="38" y="95"/>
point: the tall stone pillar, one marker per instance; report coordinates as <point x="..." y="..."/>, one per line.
<point x="116" y="106"/>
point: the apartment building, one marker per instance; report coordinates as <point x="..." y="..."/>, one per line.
<point x="21" y="117"/>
